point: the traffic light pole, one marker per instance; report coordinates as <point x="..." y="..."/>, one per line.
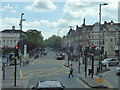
<point x="85" y="66"/>
<point x="15" y="73"/>
<point x="92" y="65"/>
<point x="3" y="69"/>
<point x="79" y="65"/>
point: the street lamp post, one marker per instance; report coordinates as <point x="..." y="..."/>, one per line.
<point x="100" y="34"/>
<point x="21" y="21"/>
<point x="58" y="32"/>
<point x="21" y="25"/>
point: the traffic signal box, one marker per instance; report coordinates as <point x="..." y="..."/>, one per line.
<point x="102" y="50"/>
<point x="93" y="49"/>
<point x="16" y="51"/>
<point x="81" y="48"/>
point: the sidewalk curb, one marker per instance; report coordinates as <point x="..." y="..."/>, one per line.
<point x="85" y="82"/>
<point x="98" y="86"/>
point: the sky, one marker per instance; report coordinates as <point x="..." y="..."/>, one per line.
<point x="53" y="17"/>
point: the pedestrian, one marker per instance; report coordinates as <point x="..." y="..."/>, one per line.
<point x="71" y="71"/>
<point x="89" y="70"/>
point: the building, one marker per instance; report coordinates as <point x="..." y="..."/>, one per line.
<point x="87" y="35"/>
<point x="9" y="37"/>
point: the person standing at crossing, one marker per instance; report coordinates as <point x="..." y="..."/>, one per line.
<point x="71" y="71"/>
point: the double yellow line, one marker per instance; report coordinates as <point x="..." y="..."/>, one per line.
<point x="108" y="84"/>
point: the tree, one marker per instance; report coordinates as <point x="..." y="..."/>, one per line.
<point x="32" y="38"/>
<point x="54" y="42"/>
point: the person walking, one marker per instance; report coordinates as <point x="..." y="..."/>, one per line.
<point x="71" y="71"/>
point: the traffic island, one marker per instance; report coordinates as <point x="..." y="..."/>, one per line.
<point x="100" y="86"/>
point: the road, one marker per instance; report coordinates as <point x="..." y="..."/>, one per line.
<point x="48" y="68"/>
<point x="112" y="78"/>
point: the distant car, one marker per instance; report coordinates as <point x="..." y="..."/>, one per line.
<point x="48" y="85"/>
<point x="44" y="53"/>
<point x="110" y="61"/>
<point x="118" y="70"/>
<point x="60" y="56"/>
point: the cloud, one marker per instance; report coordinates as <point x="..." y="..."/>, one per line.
<point x="43" y="6"/>
<point x="6" y="7"/>
<point x="7" y="23"/>
<point x="13" y="11"/>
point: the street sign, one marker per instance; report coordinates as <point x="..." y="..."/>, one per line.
<point x="100" y="80"/>
<point x="100" y="76"/>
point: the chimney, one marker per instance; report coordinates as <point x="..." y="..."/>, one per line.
<point x="83" y="22"/>
<point x="13" y="27"/>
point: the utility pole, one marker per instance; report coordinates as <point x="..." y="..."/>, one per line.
<point x="85" y="53"/>
<point x="16" y="57"/>
<point x="80" y="55"/>
<point x="79" y="64"/>
<point x="3" y="69"/>
<point x="100" y="34"/>
<point x="21" y="26"/>
<point x="92" y="55"/>
<point x="92" y="65"/>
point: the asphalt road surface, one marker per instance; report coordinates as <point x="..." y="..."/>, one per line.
<point x="48" y="68"/>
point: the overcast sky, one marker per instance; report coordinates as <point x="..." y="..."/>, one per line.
<point x="50" y="16"/>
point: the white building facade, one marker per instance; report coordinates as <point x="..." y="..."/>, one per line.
<point x="9" y="38"/>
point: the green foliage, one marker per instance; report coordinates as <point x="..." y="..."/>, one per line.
<point x="54" y="42"/>
<point x="32" y="38"/>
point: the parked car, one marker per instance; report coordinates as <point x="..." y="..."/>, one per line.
<point x="118" y="70"/>
<point x="48" y="85"/>
<point x="110" y="61"/>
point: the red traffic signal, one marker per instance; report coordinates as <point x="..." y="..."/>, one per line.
<point x="92" y="45"/>
<point x="16" y="47"/>
<point x="81" y="46"/>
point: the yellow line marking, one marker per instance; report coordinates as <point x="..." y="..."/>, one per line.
<point x="108" y="84"/>
<point x="39" y="70"/>
<point x="21" y="76"/>
<point x="45" y="71"/>
<point x="34" y="62"/>
<point x="50" y="74"/>
<point x="82" y="82"/>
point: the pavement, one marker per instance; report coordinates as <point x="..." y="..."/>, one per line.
<point x="8" y="82"/>
<point x="91" y="82"/>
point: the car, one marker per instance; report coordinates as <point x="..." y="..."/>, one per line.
<point x="48" y="85"/>
<point x="59" y="57"/>
<point x="118" y="70"/>
<point x="44" y="53"/>
<point x="110" y="61"/>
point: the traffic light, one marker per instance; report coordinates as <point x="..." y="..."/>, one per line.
<point x="81" y="48"/>
<point x="93" y="49"/>
<point x="16" y="51"/>
<point x="102" y="50"/>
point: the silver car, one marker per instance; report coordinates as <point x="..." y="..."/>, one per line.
<point x="110" y="61"/>
<point x="48" y="85"/>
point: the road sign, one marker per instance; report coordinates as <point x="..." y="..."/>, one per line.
<point x="100" y="76"/>
<point x="100" y="80"/>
